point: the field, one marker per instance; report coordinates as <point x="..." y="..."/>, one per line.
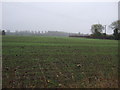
<point x="59" y="62"/>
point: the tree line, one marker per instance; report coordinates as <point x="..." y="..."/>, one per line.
<point x="35" y="33"/>
<point x="97" y="30"/>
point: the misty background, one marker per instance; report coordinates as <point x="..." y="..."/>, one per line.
<point x="69" y="17"/>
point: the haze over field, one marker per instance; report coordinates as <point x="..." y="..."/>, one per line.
<point x="54" y="16"/>
<point x="50" y="44"/>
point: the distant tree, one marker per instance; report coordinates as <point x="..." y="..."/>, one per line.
<point x="115" y="25"/>
<point x="3" y="32"/>
<point x="116" y="28"/>
<point x="97" y="29"/>
<point x="79" y="33"/>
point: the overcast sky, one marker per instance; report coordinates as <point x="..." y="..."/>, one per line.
<point x="58" y="16"/>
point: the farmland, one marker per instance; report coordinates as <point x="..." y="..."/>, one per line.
<point x="59" y="62"/>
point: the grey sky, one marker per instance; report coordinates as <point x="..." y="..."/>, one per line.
<point x="58" y="16"/>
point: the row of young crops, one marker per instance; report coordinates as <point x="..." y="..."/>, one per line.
<point x="36" y="62"/>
